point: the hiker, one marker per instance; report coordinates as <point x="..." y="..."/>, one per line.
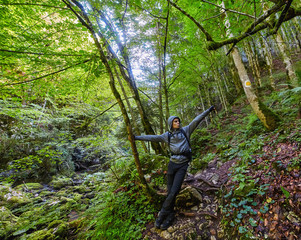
<point x="178" y="139"/>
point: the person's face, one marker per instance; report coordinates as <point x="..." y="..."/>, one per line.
<point x="176" y="123"/>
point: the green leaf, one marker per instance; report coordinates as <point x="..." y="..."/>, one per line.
<point x="285" y="192"/>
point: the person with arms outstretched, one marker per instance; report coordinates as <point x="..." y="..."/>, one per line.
<point x="178" y="140"/>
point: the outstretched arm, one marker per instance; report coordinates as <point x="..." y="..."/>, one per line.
<point x="195" y="122"/>
<point x="153" y="138"/>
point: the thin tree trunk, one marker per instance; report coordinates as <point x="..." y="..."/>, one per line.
<point x="297" y="27"/>
<point x="287" y="61"/>
<point x="128" y="76"/>
<point x="268" y="60"/>
<point x="202" y="102"/>
<point x="165" y="87"/>
<point x="130" y="108"/>
<point x="161" y="117"/>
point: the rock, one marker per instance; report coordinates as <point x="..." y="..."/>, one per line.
<point x="214" y="178"/>
<point x="207" y="200"/>
<point x="195" y="208"/>
<point x="61" y="182"/>
<point x="188" y="195"/>
<point x="165" y="234"/>
<point x="29" y="186"/>
<point x="41" y="235"/>
<point x="8" y="221"/>
<point x="12" y="198"/>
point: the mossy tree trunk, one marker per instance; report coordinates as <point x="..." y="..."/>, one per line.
<point x="266" y="116"/>
<point x="251" y="59"/>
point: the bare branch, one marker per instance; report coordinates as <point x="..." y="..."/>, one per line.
<point x="228" y="9"/>
<point x="149" y="12"/>
<point x="255" y="27"/>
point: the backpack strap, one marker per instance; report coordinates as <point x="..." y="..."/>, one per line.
<point x="183" y="132"/>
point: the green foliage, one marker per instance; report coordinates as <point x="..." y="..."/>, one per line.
<point x="239" y="206"/>
<point x="201" y="163"/>
<point x="119" y="214"/>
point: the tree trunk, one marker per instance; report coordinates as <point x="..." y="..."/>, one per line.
<point x="165" y="87"/>
<point x="130" y="108"/>
<point x="252" y="64"/>
<point x="287" y="61"/>
<point x="87" y="23"/>
<point x="235" y="77"/>
<point x="161" y="117"/>
<point x="266" y="116"/>
<point x="268" y="60"/>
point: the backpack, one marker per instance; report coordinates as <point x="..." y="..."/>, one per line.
<point x="187" y="154"/>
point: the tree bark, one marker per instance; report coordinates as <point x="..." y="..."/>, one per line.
<point x="266" y="116"/>
<point x="252" y="64"/>
<point x="134" y="120"/>
<point x="292" y="77"/>
<point x="268" y="60"/>
<point x="165" y="87"/>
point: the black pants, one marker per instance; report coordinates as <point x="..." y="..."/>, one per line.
<point x="175" y="177"/>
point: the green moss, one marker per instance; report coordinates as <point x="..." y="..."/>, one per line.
<point x="271" y="119"/>
<point x="29" y="186"/>
<point x="61" y="182"/>
<point x="54" y="224"/>
<point x="42" y="235"/>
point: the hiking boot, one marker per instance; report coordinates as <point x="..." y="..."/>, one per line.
<point x="160" y="219"/>
<point x="168" y="221"/>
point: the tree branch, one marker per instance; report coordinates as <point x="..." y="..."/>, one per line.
<point x="34" y="79"/>
<point x="208" y="36"/>
<point x="255" y="27"/>
<point x="46" y="54"/>
<point x="281" y="18"/>
<point x="228" y="9"/>
<point x="148" y="12"/>
<point x="172" y="82"/>
<point x="32" y="4"/>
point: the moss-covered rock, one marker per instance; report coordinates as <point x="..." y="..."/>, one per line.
<point x="29" y="186"/>
<point x="42" y="235"/>
<point x="61" y="182"/>
<point x="8" y="221"/>
<point x="12" y="198"/>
